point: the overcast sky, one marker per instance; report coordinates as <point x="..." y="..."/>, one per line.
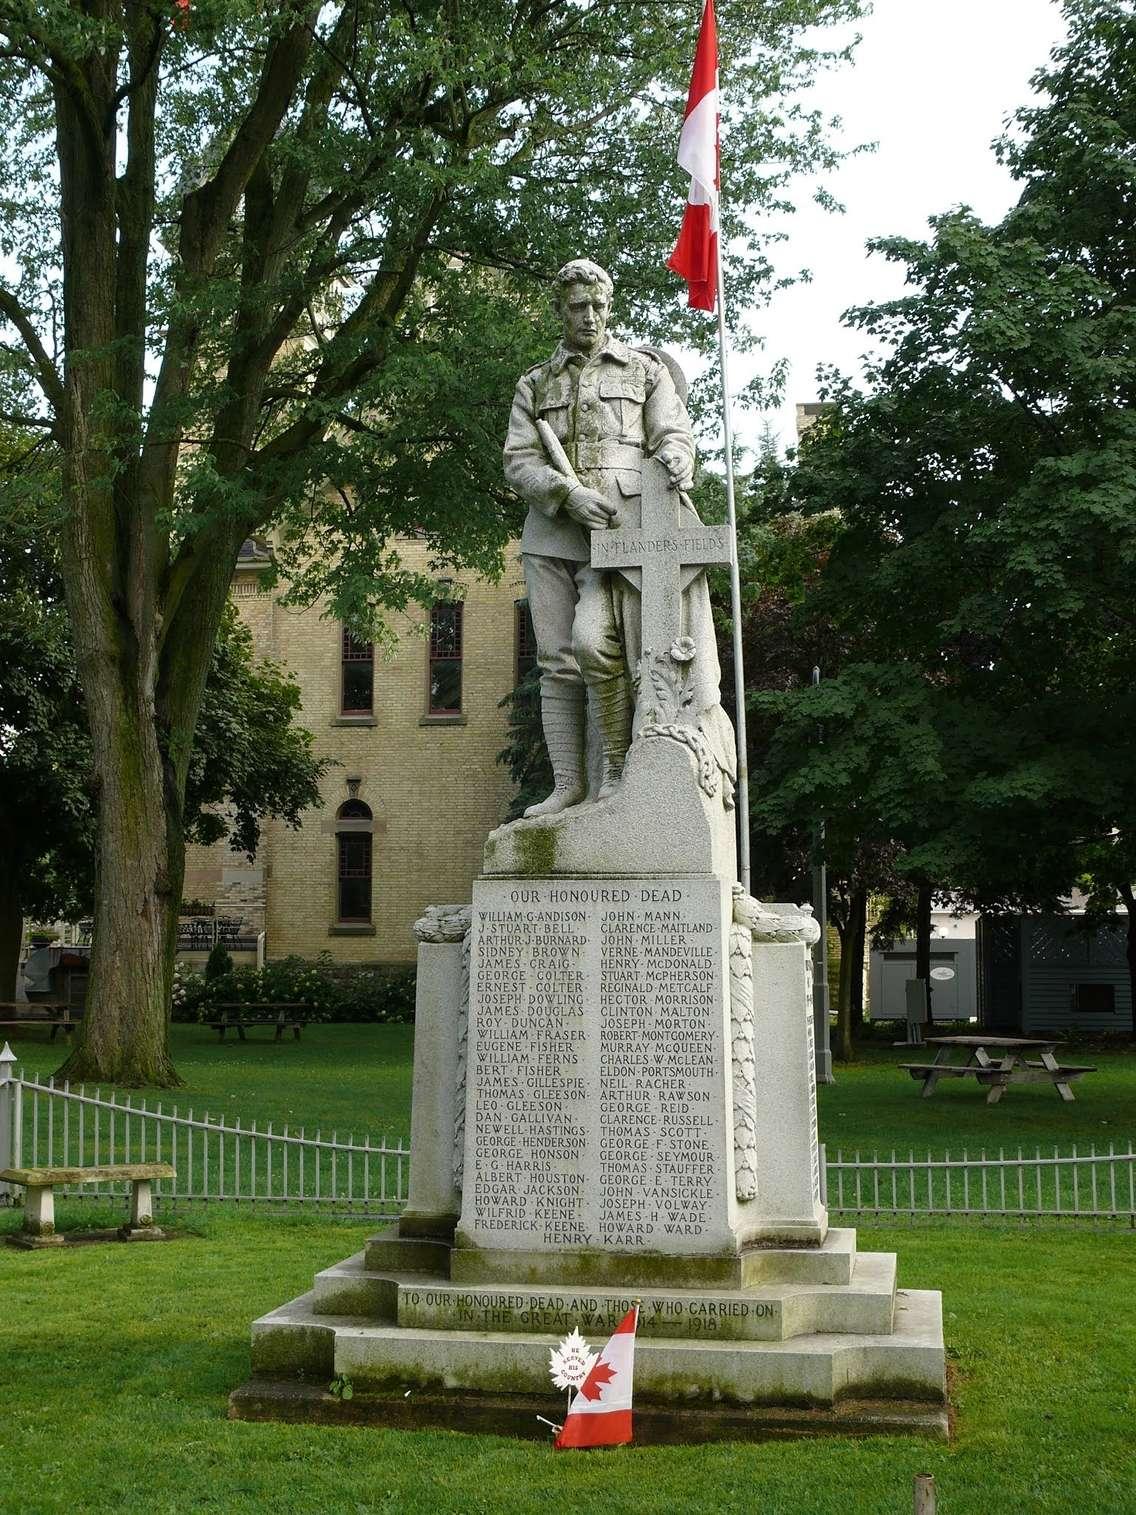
<point x="932" y="84"/>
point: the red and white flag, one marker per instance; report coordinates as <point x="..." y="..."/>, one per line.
<point x="695" y="256"/>
<point x="600" y="1412"/>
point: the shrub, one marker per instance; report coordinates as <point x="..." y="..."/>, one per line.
<point x="375" y="994"/>
<point x="219" y="962"/>
<point x="331" y="992"/>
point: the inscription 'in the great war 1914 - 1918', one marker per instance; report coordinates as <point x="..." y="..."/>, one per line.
<point x="728" y="1316"/>
<point x="596" y="1065"/>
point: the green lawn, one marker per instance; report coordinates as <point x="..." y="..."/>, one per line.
<point x="873" y="1107"/>
<point x="357" y="1078"/>
<point x="344" y="1077"/>
<point x="117" y="1363"/>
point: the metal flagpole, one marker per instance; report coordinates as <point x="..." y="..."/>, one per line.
<point x="735" y="580"/>
<point x="822" y="1028"/>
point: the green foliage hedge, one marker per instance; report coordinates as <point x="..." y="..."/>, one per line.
<point x="332" y="992"/>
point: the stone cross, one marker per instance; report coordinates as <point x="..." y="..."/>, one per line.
<point x="661" y="549"/>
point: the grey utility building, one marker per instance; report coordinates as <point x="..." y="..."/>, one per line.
<point x="1050" y="973"/>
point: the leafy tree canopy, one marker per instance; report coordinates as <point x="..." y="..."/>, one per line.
<point x="249" y="761"/>
<point x="981" y="495"/>
<point x="279" y="268"/>
<point x="343" y="220"/>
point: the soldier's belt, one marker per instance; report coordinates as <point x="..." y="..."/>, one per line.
<point x="608" y="454"/>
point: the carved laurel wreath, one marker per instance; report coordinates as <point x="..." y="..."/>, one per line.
<point x="668" y="675"/>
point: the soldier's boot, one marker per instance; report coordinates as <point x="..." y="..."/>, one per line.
<point x="562" y="716"/>
<point x="614" y="710"/>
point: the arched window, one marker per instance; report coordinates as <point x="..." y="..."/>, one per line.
<point x="353" y="861"/>
<point x="353" y="810"/>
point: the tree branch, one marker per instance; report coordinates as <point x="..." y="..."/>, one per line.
<point x="18" y="418"/>
<point x="206" y="212"/>
<point x="377" y="309"/>
<point x="45" y="370"/>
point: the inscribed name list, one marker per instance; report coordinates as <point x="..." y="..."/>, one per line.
<point x="596" y="1099"/>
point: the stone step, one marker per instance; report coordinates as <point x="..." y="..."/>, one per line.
<point x="830" y="1263"/>
<point x="644" y="1268"/>
<point x="906" y="1364"/>
<point x="769" y="1312"/>
<point x="389" y="1252"/>
<point x="351" y="1288"/>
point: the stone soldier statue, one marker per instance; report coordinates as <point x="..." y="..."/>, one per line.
<point x="608" y="406"/>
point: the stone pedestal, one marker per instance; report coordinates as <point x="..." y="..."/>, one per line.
<point x="666" y="818"/>
<point x="789" y="1186"/>
<point x="614" y="1098"/>
<point x="39" y="1218"/>
<point x="442" y="982"/>
<point x="630" y="1113"/>
<point x="597" y="1142"/>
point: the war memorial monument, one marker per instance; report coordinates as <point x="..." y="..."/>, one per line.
<point x="614" y="1093"/>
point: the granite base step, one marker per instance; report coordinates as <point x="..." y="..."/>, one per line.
<point x="389" y="1250"/>
<point x="906" y="1364"/>
<point x="831" y="1262"/>
<point x="773" y="1312"/>
<point x="526" y="1416"/>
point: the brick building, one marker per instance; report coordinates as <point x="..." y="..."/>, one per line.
<point x="416" y="735"/>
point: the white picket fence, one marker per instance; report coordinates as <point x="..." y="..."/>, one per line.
<point x="1075" y="1184"/>
<point x="220" y="1160"/>
<point x="217" y="1160"/>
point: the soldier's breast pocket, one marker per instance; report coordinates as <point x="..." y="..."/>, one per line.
<point x="622" y="397"/>
<point x="555" y="413"/>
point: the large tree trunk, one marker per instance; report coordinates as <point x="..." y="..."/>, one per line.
<point x="145" y="608"/>
<point x="11" y="932"/>
<point x="845" y="929"/>
<point x="923" y="942"/>
<point x="859" y="941"/>
<point x="124" y="1037"/>
<point x="114" y="550"/>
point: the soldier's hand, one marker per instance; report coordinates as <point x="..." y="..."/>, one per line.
<point x="679" y="466"/>
<point x="589" y="508"/>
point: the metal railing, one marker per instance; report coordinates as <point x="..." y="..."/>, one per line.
<point x="217" y="1159"/>
<point x="1076" y="1184"/>
<point x="201" y="933"/>
<point x="225" y="1160"/>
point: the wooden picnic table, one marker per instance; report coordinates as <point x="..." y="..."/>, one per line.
<point x="275" y="1013"/>
<point x="51" y="1013"/>
<point x="1008" y="1065"/>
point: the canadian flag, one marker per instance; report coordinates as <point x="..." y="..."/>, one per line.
<point x="695" y="256"/>
<point x="600" y="1412"/>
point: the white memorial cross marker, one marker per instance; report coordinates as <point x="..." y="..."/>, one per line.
<point x="661" y="549"/>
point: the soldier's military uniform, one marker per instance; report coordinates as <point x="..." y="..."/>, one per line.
<point x="608" y="410"/>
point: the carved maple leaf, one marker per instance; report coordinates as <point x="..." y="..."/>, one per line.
<point x="592" y="1387"/>
<point x="571" y="1362"/>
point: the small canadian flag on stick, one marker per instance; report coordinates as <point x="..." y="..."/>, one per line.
<point x="600" y="1412"/>
<point x="695" y="257"/>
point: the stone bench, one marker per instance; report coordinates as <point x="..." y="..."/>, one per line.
<point x="39" y="1204"/>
